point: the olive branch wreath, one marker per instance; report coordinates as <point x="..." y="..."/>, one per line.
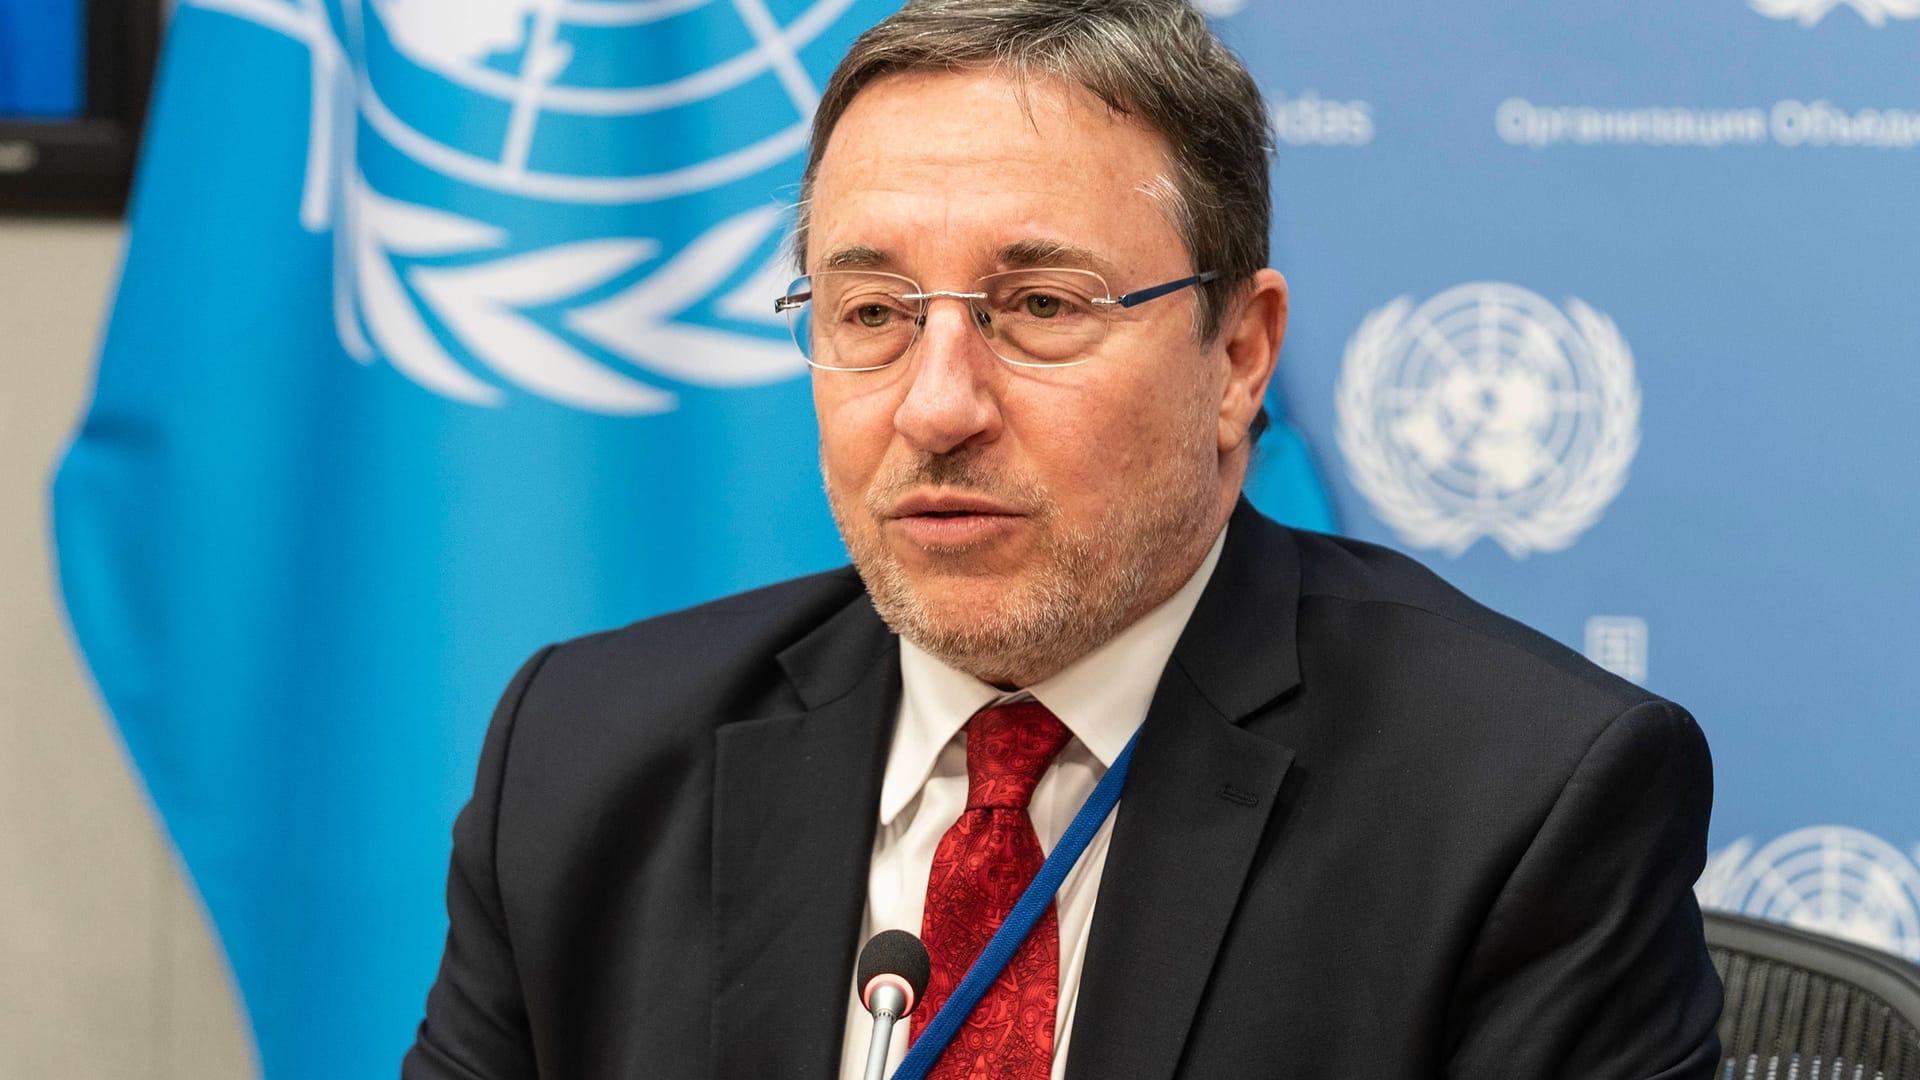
<point x="1809" y="12"/>
<point x="1422" y="520"/>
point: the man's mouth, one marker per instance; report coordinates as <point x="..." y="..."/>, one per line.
<point x="949" y="505"/>
<point x="940" y="519"/>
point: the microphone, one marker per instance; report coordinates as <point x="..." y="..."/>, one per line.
<point x="891" y="976"/>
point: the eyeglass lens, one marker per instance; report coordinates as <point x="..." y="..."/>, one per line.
<point x="859" y="320"/>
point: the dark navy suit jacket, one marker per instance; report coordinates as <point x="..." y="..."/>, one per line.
<point x="1371" y="830"/>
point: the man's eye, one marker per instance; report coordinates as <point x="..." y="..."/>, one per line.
<point x="874" y="316"/>
<point x="1042" y="306"/>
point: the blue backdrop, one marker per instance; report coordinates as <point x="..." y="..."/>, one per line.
<point x="445" y="331"/>
<point x="1611" y="313"/>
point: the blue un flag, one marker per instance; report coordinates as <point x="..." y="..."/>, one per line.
<point x="445" y="331"/>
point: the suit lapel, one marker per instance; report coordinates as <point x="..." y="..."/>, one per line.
<point x="795" y="802"/>
<point x="1195" y="805"/>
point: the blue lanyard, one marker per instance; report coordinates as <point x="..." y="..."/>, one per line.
<point x="999" y="951"/>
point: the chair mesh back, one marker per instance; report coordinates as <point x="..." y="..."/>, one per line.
<point x="1785" y="1022"/>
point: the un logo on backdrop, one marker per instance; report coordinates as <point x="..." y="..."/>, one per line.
<point x="1809" y="12"/>
<point x="526" y="120"/>
<point x="1844" y="882"/>
<point x="1487" y="412"/>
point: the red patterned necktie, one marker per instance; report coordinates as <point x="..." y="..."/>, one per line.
<point x="980" y="869"/>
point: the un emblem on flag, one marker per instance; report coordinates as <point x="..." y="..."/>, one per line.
<point x="1488" y="412"/>
<point x="1828" y="879"/>
<point x="567" y="198"/>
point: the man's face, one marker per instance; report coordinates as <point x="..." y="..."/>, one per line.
<point x="1008" y="519"/>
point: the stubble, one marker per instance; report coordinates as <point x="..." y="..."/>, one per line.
<point x="1082" y="587"/>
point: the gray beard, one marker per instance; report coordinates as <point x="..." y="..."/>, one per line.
<point x="1089" y="585"/>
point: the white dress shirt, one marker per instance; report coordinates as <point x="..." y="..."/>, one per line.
<point x="1101" y="698"/>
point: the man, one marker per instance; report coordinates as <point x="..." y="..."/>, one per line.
<point x="1370" y="829"/>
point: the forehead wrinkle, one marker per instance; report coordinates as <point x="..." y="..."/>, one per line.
<point x="955" y="204"/>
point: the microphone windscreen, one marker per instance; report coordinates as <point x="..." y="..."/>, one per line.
<point x="895" y="952"/>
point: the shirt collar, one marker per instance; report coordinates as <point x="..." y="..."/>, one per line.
<point x="1101" y="697"/>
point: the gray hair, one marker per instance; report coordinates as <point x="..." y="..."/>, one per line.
<point x="1153" y="60"/>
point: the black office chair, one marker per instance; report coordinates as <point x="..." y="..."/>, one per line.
<point x="1804" y="1006"/>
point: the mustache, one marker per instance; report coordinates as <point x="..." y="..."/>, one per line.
<point x="956" y="471"/>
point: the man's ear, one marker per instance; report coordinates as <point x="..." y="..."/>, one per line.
<point x="1251" y="343"/>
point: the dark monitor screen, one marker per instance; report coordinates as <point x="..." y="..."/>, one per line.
<point x="73" y="91"/>
<point x="42" y="59"/>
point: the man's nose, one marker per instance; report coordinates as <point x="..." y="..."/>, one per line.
<point x="953" y="396"/>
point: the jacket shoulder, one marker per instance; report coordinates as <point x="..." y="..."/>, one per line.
<point x="718" y="659"/>
<point x="1430" y="625"/>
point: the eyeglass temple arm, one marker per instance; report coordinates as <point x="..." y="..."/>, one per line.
<point x="787" y="303"/>
<point x="1155" y="292"/>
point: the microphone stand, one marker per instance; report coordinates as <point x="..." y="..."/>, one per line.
<point x="886" y="1003"/>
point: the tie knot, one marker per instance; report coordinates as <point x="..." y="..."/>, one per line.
<point x="1008" y="748"/>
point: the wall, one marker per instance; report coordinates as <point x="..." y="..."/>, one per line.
<point x="107" y="968"/>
